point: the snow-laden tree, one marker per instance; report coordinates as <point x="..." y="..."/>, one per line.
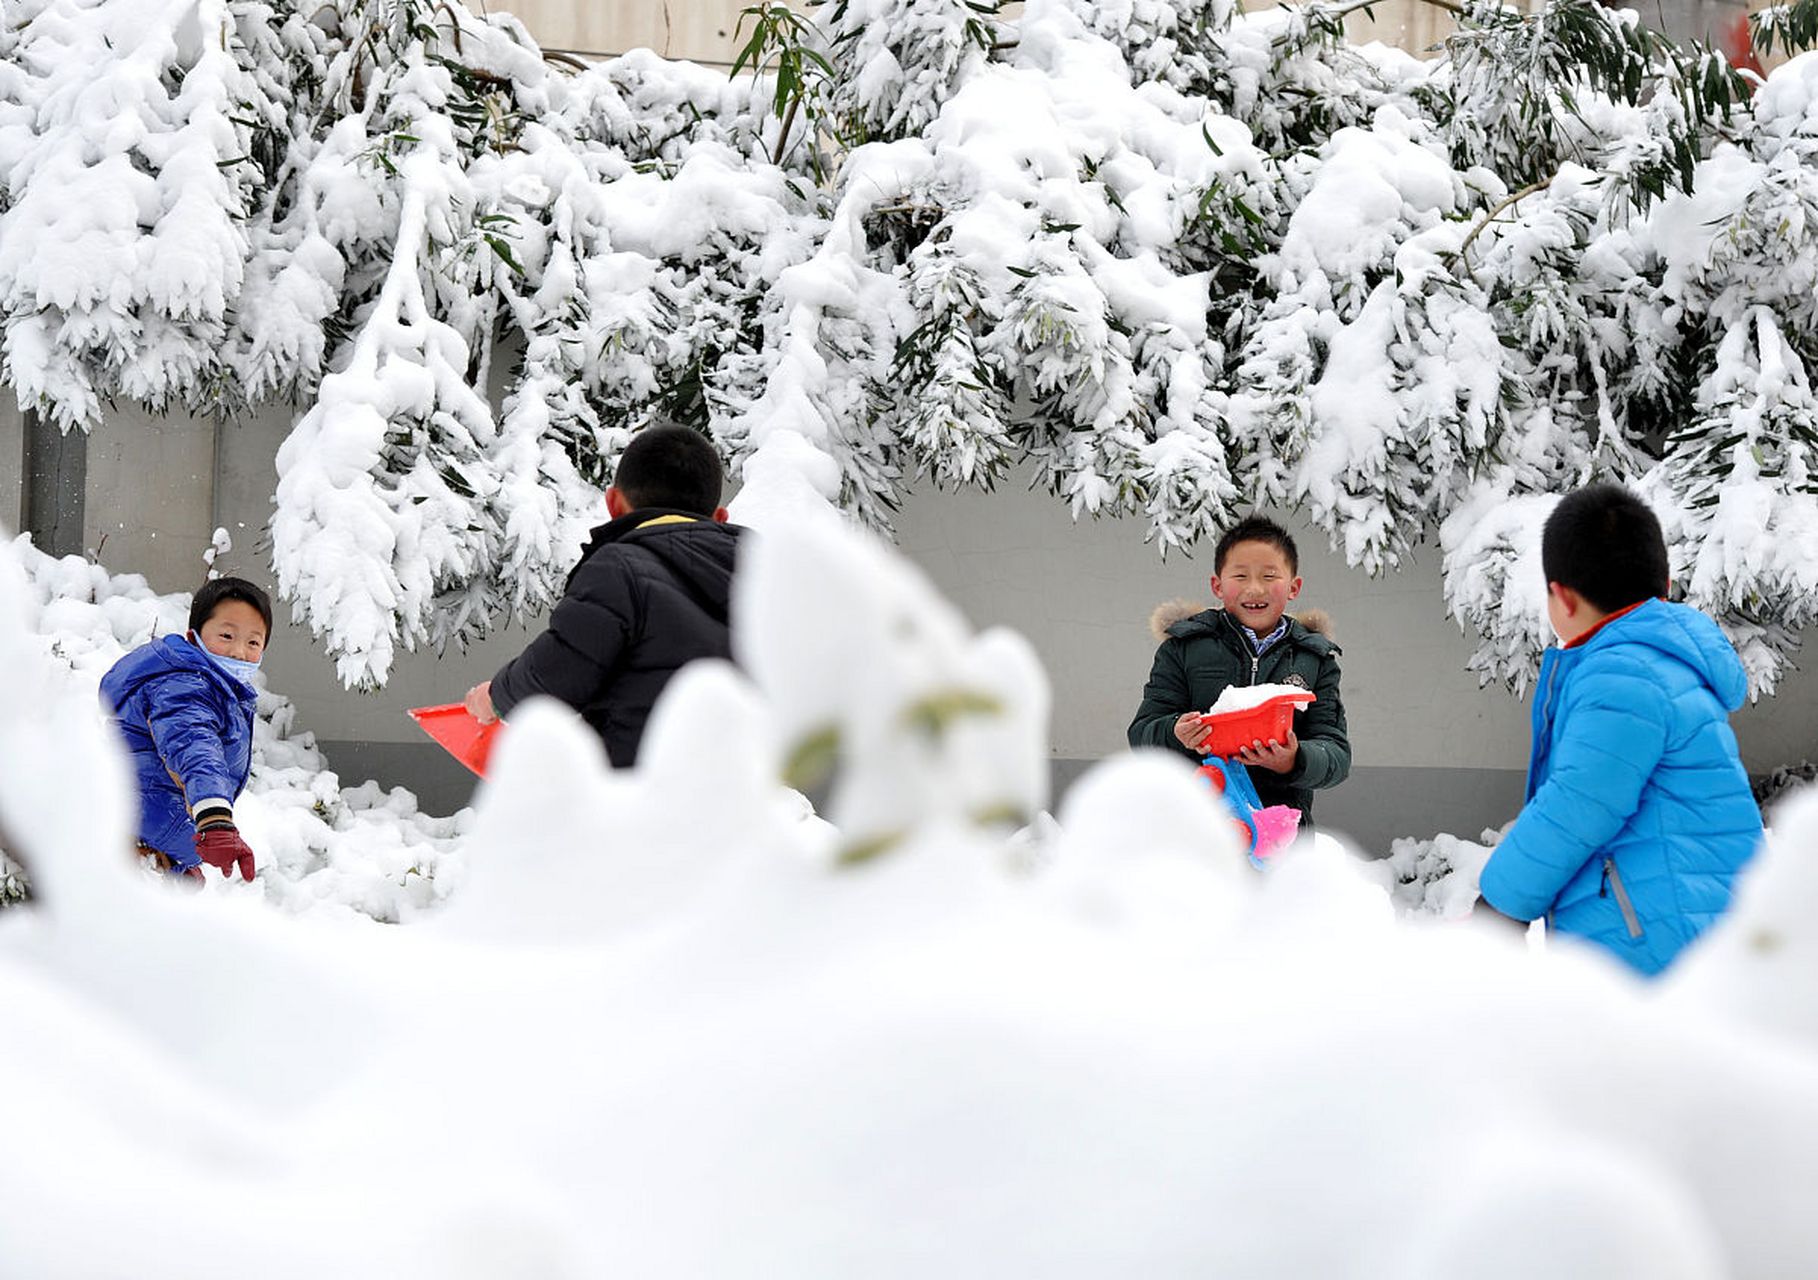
<point x="126" y="145"/>
<point x="893" y="64"/>
<point x="407" y="513"/>
<point x="1177" y="259"/>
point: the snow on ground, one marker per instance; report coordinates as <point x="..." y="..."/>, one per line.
<point x="1437" y="878"/>
<point x="666" y="1027"/>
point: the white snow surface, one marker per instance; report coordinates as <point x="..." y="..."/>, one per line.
<point x="666" y="1027"/>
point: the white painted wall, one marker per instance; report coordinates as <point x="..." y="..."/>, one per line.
<point x="697" y="30"/>
<point x="704" y="30"/>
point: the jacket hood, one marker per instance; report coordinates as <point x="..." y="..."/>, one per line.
<point x="1687" y="636"/>
<point x="698" y="550"/>
<point x="1172" y="613"/>
<point x="161" y="657"/>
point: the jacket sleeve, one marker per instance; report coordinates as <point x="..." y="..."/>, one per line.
<point x="1325" y="745"/>
<point x="186" y="722"/>
<point x="572" y="660"/>
<point x="1165" y="700"/>
<point x="1607" y="744"/>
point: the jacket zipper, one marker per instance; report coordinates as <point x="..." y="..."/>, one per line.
<point x="1612" y="879"/>
<point x="1546" y="706"/>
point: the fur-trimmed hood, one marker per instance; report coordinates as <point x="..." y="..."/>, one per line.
<point x="1169" y="612"/>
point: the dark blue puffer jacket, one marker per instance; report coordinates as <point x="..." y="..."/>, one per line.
<point x="188" y="725"/>
<point x="1639" y="814"/>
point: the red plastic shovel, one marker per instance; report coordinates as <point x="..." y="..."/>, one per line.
<point x="458" y="733"/>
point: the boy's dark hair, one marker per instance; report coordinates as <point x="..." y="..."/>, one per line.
<point x="1257" y="529"/>
<point x="1605" y="543"/>
<point x="671" y="466"/>
<point x="215" y="590"/>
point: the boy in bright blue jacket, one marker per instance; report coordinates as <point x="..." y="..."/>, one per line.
<point x="1639" y="815"/>
<point x="185" y="706"/>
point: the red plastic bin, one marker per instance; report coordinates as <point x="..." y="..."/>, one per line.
<point x="1232" y="731"/>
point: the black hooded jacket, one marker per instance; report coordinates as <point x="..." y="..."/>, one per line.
<point x="652" y="592"/>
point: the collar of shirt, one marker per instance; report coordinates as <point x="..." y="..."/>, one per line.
<point x="1603" y="622"/>
<point x="1262" y="643"/>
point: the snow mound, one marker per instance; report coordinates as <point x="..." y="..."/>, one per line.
<point x="666" y="1028"/>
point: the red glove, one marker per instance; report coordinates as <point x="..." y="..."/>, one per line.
<point x="219" y="844"/>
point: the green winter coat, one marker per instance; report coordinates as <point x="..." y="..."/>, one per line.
<point x="1202" y="655"/>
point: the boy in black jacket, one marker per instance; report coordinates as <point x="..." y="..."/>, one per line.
<point x="651" y="593"/>
<point x="1251" y="640"/>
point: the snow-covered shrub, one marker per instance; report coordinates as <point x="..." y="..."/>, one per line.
<point x="1782" y="782"/>
<point x="894" y="63"/>
<point x="15" y="885"/>
<point x="1435" y="878"/>
<point x="126" y="141"/>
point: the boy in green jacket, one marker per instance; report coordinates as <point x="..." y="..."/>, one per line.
<point x="1251" y="640"/>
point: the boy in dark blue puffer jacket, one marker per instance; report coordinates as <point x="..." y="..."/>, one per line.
<point x="185" y="706"/>
<point x="1639" y="815"/>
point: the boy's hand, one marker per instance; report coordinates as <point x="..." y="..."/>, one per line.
<point x="479" y="703"/>
<point x="1192" y="731"/>
<point x="1276" y="757"/>
<point x="220" y="845"/>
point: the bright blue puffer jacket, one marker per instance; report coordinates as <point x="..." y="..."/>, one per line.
<point x="188" y="725"/>
<point x="1639" y="814"/>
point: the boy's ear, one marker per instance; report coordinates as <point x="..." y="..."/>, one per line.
<point x="1294" y="588"/>
<point x="617" y="504"/>
<point x="721" y="515"/>
<point x="1569" y="600"/>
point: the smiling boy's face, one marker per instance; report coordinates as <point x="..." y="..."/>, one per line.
<point x="1255" y="584"/>
<point x="234" y="630"/>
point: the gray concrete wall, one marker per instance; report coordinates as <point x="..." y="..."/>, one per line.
<point x="12" y="462"/>
<point x="151" y="482"/>
<point x="150" y="486"/>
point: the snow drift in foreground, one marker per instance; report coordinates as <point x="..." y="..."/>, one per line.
<point x="666" y="1027"/>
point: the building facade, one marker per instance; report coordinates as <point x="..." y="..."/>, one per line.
<point x="704" y="30"/>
